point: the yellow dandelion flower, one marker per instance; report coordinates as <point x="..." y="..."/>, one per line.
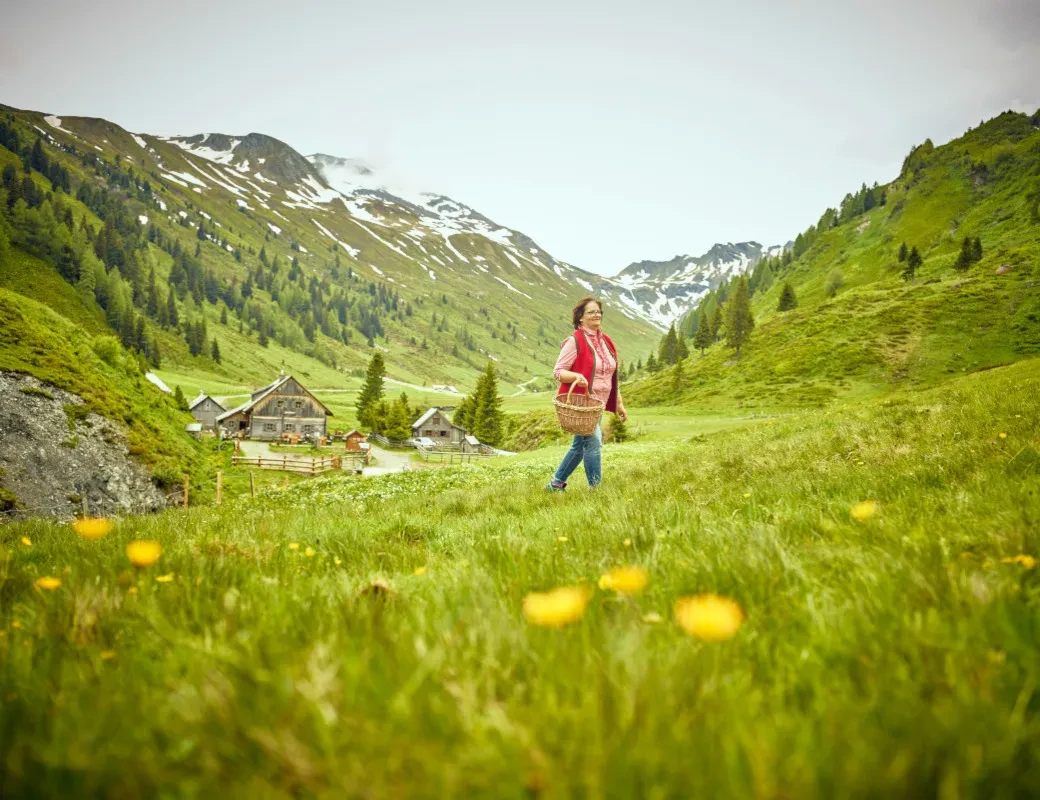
<point x="132" y="590"/>
<point x="420" y="570"/>
<point x="625" y="580"/>
<point x="1003" y="435"/>
<point x="143" y="552"/>
<point x="627" y="543"/>
<point x="709" y="617"/>
<point x="294" y="545"/>
<point x="49" y="584"/>
<point x="561" y="538"/>
<point x="652" y="618"/>
<point x="558" y="607"/>
<point x="164" y="578"/>
<point x="309" y="552"/>
<point x="27" y="541"/>
<point x="92" y="527"/>
<point x="16" y="624"/>
<point x="1028" y="562"/>
<point x="108" y="655"/>
<point x="747" y="495"/>
<point x="864" y="510"/>
<point x="338" y="561"/>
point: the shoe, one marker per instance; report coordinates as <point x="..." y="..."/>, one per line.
<point x="555" y="486"/>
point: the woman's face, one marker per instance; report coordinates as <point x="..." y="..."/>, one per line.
<point x="592" y="317"/>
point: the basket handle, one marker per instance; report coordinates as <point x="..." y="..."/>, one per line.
<point x="572" y="388"/>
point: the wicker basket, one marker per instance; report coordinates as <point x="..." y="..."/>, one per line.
<point x="578" y="413"/>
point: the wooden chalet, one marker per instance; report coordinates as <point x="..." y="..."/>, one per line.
<point x="281" y="407"/>
<point x="206" y="410"/>
<point x="435" y="425"/>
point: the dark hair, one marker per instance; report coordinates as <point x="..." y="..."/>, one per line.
<point x="579" y="310"/>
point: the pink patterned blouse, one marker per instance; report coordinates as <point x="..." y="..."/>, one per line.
<point x="605" y="361"/>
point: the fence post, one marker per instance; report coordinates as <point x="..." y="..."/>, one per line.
<point x="220" y="484"/>
<point x="285" y="460"/>
<point x="252" y="488"/>
<point x="185" y="491"/>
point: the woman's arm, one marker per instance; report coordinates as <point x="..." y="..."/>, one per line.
<point x="562" y="371"/>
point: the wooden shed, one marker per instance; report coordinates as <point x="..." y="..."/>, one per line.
<point x="206" y="410"/>
<point x="435" y="425"/>
<point x="284" y="406"/>
<point x="469" y="444"/>
<point x="353" y="440"/>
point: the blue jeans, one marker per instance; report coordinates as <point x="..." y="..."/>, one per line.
<point x="587" y="449"/>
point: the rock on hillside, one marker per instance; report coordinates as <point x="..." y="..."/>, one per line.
<point x="50" y="458"/>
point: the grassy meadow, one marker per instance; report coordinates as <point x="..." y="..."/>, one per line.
<point x="368" y="637"/>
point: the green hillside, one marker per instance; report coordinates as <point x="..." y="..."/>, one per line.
<point x="36" y="340"/>
<point x="860" y="327"/>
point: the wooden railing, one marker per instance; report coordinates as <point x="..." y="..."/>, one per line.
<point x="312" y="466"/>
<point x="447" y="456"/>
<point x="388" y="442"/>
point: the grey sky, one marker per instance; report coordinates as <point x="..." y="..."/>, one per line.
<point x="608" y="131"/>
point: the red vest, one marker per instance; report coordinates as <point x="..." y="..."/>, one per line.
<point x="585" y="363"/>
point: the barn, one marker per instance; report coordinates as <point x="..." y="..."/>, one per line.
<point x="206" y="410"/>
<point x="284" y="406"/>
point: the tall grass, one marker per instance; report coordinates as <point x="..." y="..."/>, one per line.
<point x="897" y="655"/>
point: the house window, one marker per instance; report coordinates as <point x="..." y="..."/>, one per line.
<point x="268" y="426"/>
<point x="308" y="428"/>
<point x="298" y="404"/>
<point x="288" y="426"/>
<point x="444" y="433"/>
<point x="427" y="432"/>
<point x="281" y="404"/>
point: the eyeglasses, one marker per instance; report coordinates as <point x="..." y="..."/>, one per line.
<point x="593" y="314"/>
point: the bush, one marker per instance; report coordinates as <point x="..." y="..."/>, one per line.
<point x="108" y="349"/>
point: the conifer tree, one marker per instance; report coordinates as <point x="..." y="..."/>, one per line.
<point x="179" y="399"/>
<point x="964" y="260"/>
<point x="651" y="364"/>
<point x="913" y="262"/>
<point x="223" y="315"/>
<point x="739" y="321"/>
<point x="397" y="425"/>
<point x="787" y="298"/>
<point x="716" y="323"/>
<point x="372" y="392"/>
<point x="902" y="252"/>
<point x="976" y="250"/>
<point x="487" y="423"/>
<point x="262" y="340"/>
<point x="668" y="351"/>
<point x="702" y="339"/>
<point x="171" y="309"/>
<point x="683" y="350"/>
<point x="677" y="376"/>
<point x="215" y="350"/>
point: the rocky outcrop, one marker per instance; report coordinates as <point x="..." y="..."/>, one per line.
<point x="54" y="452"/>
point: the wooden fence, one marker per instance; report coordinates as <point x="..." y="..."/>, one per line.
<point x="387" y="442"/>
<point x="312" y="466"/>
<point x="446" y="456"/>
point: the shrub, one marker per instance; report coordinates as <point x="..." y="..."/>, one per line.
<point x="108" y="349"/>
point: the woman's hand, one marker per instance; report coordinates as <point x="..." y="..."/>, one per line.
<point x="622" y="414"/>
<point x="581" y="380"/>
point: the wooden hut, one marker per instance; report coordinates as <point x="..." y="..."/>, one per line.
<point x="435" y="425"/>
<point x="469" y="444"/>
<point x="284" y="406"/>
<point x="206" y="410"/>
<point x="353" y="440"/>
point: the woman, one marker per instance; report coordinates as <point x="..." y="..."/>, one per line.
<point x="588" y="358"/>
